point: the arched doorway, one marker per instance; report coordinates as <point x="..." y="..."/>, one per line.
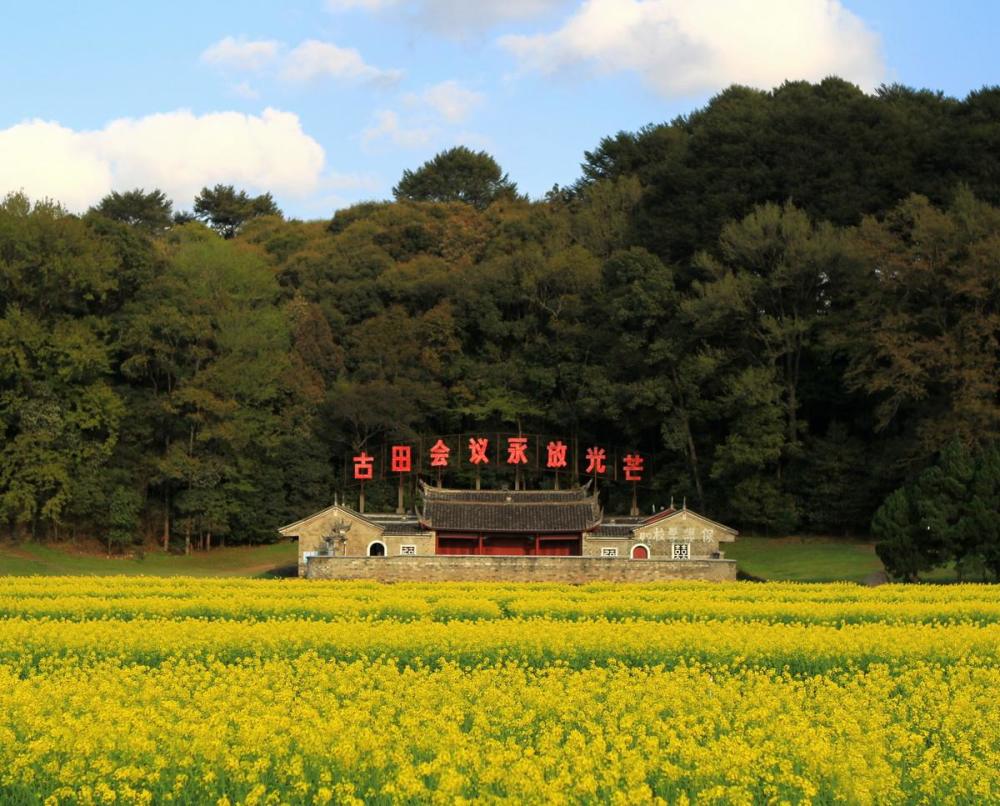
<point x="376" y="549"/>
<point x="640" y="552"/>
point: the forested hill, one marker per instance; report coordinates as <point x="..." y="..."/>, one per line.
<point x="790" y="300"/>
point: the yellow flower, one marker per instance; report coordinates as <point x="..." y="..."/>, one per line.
<point x="127" y="690"/>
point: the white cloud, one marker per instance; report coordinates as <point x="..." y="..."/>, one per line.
<point x="456" y="17"/>
<point x="315" y="59"/>
<point x="47" y="160"/>
<point x="682" y="47"/>
<point x="241" y="54"/>
<point x="178" y="152"/>
<point x="387" y="127"/>
<point x="309" y="60"/>
<point x="449" y="99"/>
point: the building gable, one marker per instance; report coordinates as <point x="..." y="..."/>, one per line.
<point x="685" y="525"/>
<point x="313" y="530"/>
<point x="326" y="517"/>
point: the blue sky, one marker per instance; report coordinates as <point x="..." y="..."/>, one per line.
<point x="325" y="102"/>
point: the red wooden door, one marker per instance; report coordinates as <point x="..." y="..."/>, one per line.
<point x="507" y="545"/>
<point x="458" y="544"/>
<point x="559" y="546"/>
<point x="640" y="553"/>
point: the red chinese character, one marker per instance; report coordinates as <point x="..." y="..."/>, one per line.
<point x="439" y="454"/>
<point x="402" y="459"/>
<point x="364" y="466"/>
<point x="632" y="465"/>
<point x="517" y="448"/>
<point x="477" y="451"/>
<point x="597" y="460"/>
<point x="556" y="454"/>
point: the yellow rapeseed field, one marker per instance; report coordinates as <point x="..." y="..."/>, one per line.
<point x="142" y="690"/>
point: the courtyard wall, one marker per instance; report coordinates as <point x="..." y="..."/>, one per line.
<point x="573" y="570"/>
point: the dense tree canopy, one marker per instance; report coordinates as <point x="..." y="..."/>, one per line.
<point x="458" y="174"/>
<point x="789" y="300"/>
<point x="151" y="211"/>
<point x="832" y="150"/>
<point x="227" y="210"/>
<point x="949" y="513"/>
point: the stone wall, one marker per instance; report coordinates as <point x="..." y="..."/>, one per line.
<point x="422" y="542"/>
<point x="659" y="547"/>
<point x="516" y="569"/>
<point x="361" y="544"/>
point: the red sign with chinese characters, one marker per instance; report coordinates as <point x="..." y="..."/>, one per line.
<point x="401" y="459"/>
<point x="477" y="450"/>
<point x="632" y="466"/>
<point x="517" y="450"/>
<point x="364" y="466"/>
<point x="597" y="460"/>
<point x="555" y="455"/>
<point x="439" y="454"/>
<point x="523" y="452"/>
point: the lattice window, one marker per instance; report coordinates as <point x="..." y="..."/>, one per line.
<point x="681" y="551"/>
<point x="609" y="552"/>
<point x="408" y="551"/>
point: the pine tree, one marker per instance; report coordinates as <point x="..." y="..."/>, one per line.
<point x="896" y="526"/>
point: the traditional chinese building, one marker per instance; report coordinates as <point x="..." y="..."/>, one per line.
<point x="510" y="535"/>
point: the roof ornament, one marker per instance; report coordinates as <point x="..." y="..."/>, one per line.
<point x="337" y="537"/>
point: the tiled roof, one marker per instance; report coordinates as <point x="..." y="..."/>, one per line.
<point x="613" y="530"/>
<point x="513" y="511"/>
<point x="402" y="527"/>
<point x="505" y="496"/>
<point x="393" y="524"/>
<point x="658" y="516"/>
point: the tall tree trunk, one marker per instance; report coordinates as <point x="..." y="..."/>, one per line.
<point x="692" y="453"/>
<point x="690" y="450"/>
<point x="166" y="518"/>
<point x="793" y="368"/>
<point x="166" y="506"/>
<point x="793" y="404"/>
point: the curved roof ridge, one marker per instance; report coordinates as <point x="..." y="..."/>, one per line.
<point x="430" y="488"/>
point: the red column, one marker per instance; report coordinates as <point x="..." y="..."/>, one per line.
<point x="480" y="550"/>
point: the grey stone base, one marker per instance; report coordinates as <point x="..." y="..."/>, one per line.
<point x="516" y="569"/>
